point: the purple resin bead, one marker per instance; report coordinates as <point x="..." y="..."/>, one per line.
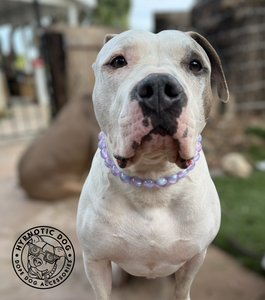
<point x="136" y="181"/>
<point x="191" y="167"/>
<point x="101" y="144"/>
<point x="161" y="182"/>
<point x="173" y="179"/>
<point x="196" y="157"/>
<point x="101" y="135"/>
<point x="183" y="173"/>
<point x="115" y="171"/>
<point x="108" y="162"/>
<point x="104" y="153"/>
<point x="125" y="178"/>
<point x="148" y="183"/>
<point x="198" y="146"/>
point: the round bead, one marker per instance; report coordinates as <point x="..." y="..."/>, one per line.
<point x="101" y="135"/>
<point x="108" y="162"/>
<point x="136" y="181"/>
<point x="199" y="138"/>
<point x="191" y="167"/>
<point x="161" y="182"/>
<point x="148" y="183"/>
<point x="115" y="171"/>
<point x="198" y="146"/>
<point x="125" y="178"/>
<point x="104" y="153"/>
<point x="173" y="179"/>
<point x="196" y="157"/>
<point x="183" y="173"/>
<point x="101" y="144"/>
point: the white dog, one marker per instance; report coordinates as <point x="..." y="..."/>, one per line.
<point x="159" y="213"/>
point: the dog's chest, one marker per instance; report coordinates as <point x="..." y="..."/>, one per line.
<point x="150" y="243"/>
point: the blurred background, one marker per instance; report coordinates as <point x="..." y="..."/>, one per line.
<point x="48" y="132"/>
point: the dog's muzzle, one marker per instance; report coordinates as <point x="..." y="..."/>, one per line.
<point x="161" y="97"/>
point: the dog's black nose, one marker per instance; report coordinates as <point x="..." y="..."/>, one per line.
<point x="159" y="91"/>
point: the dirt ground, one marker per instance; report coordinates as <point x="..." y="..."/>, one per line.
<point x="220" y="277"/>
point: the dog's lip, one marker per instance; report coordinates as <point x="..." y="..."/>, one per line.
<point x="180" y="161"/>
<point x="122" y="161"/>
<point x="183" y="163"/>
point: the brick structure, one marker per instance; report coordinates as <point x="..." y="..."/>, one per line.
<point x="236" y="29"/>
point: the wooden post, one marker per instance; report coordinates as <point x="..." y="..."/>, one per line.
<point x="55" y="57"/>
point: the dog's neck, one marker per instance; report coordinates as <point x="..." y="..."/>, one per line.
<point x="147" y="183"/>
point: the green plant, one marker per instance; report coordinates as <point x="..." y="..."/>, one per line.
<point x="255" y="153"/>
<point x="111" y="13"/>
<point x="260" y="132"/>
<point x="243" y="207"/>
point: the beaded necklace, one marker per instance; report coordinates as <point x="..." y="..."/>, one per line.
<point x="147" y="183"/>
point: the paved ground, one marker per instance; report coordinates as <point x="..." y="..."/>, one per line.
<point x="220" y="278"/>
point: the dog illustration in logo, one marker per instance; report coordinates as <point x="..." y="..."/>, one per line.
<point x="42" y="258"/>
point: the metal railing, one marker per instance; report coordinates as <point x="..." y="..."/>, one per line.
<point x="23" y="117"/>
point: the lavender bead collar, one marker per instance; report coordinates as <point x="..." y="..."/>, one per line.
<point x="147" y="183"/>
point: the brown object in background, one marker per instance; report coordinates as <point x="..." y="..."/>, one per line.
<point x="56" y="164"/>
<point x="27" y="87"/>
<point x="173" y="20"/>
<point x="236" y="31"/>
<point x="82" y="45"/>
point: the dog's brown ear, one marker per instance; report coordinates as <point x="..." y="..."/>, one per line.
<point x="217" y="71"/>
<point x="108" y="37"/>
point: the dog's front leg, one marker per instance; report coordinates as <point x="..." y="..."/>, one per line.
<point x="99" y="274"/>
<point x="185" y="275"/>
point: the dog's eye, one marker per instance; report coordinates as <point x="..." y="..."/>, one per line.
<point x="118" y="62"/>
<point x="195" y="66"/>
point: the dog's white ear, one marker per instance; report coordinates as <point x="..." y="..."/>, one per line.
<point x="108" y="37"/>
<point x="217" y="70"/>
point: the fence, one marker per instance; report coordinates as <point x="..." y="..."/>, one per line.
<point x="23" y="117"/>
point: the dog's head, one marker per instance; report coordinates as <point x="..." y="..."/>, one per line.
<point x="152" y="94"/>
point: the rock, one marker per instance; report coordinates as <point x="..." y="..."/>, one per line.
<point x="260" y="165"/>
<point x="235" y="164"/>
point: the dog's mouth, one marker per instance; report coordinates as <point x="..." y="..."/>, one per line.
<point x="157" y="144"/>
